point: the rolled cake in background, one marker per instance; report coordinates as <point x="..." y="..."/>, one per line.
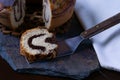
<point x="32" y="13"/>
<point x="62" y="11"/>
<point x="12" y="14"/>
<point x="55" y="12"/>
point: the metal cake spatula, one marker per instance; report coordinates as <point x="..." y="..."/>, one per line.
<point x="69" y="46"/>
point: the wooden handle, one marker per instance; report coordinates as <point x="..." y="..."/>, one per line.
<point x="101" y="26"/>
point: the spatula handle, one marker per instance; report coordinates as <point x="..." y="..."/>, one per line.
<point x="101" y="26"/>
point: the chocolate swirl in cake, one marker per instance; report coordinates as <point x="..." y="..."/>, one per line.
<point x="47" y="40"/>
<point x="39" y="41"/>
<point x="18" y="10"/>
<point x="34" y="46"/>
<point x="13" y="13"/>
<point x="38" y="44"/>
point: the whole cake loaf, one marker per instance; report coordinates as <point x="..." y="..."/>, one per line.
<point x="38" y="44"/>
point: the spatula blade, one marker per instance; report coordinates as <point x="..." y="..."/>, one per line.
<point x="68" y="46"/>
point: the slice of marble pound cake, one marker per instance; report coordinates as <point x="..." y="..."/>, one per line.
<point x="38" y="44"/>
<point x="12" y="13"/>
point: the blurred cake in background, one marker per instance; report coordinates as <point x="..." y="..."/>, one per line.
<point x="20" y="15"/>
<point x="62" y="11"/>
<point x="12" y="13"/>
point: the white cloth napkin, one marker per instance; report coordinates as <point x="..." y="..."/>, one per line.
<point x="107" y="43"/>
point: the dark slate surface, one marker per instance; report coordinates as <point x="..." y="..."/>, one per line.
<point x="77" y="66"/>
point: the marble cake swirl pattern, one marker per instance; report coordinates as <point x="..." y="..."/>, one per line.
<point x="13" y="16"/>
<point x="18" y="12"/>
<point x="36" y="42"/>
